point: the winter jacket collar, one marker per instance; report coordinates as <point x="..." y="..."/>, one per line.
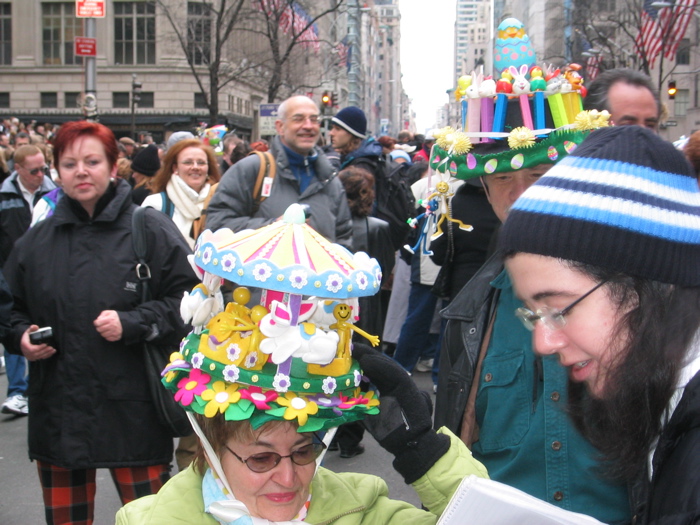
<point x="11" y="185"/>
<point x="369" y="149"/>
<point x="111" y="205"/>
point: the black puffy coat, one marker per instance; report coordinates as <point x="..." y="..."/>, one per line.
<point x="89" y="405"/>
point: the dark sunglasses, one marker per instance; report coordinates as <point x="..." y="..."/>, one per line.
<point x="35" y="171"/>
<point x="266" y="461"/>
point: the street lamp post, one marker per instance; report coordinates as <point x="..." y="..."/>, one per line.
<point x="135" y="98"/>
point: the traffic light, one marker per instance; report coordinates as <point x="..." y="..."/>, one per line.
<point x="326" y="99"/>
<point x="334" y="99"/>
<point x="672" y="89"/>
<point x="135" y="90"/>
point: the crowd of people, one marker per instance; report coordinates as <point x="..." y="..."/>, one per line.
<point x="550" y="291"/>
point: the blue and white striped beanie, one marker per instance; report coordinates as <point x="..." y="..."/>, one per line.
<point x="625" y="200"/>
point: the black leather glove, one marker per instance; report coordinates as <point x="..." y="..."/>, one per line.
<point x="404" y="424"/>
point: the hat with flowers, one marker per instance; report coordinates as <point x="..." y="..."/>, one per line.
<point x="289" y="357"/>
<point x="520" y="117"/>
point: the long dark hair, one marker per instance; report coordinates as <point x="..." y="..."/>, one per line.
<point x="661" y="321"/>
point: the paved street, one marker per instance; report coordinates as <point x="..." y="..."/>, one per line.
<point x="21" y="504"/>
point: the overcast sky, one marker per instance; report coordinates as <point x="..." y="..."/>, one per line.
<point x="427" y="49"/>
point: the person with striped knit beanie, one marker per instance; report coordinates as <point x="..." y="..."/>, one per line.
<point x="603" y="250"/>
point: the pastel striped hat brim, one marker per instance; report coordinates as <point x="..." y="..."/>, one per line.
<point x="640" y="218"/>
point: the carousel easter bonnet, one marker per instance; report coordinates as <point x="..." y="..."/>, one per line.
<point x="531" y="115"/>
<point x="288" y="358"/>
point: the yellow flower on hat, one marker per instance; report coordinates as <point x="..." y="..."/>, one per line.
<point x="460" y="143"/>
<point x="298" y="407"/>
<point x="441" y="137"/>
<point x="521" y="137"/>
<point x="219" y="397"/>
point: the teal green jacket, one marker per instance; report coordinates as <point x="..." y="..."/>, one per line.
<point x="340" y="499"/>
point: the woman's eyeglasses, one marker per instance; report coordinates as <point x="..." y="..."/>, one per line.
<point x="552" y="319"/>
<point x="190" y="163"/>
<point x="266" y="461"/>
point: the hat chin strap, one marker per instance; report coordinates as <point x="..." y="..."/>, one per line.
<point x="231" y="509"/>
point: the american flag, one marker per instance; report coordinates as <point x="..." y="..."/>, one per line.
<point x="292" y="20"/>
<point x="342" y="49"/>
<point x="593" y="67"/>
<point x="649" y="40"/>
<point x="678" y="18"/>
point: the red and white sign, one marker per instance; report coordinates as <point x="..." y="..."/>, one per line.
<point x="85" y="47"/>
<point x="90" y="8"/>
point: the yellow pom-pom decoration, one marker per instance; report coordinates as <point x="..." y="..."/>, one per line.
<point x="521" y="137"/>
<point x="585" y="120"/>
<point x="602" y="118"/>
<point x="593" y="119"/>
<point x="460" y="143"/>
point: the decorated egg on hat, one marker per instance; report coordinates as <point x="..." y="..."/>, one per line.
<point x="513" y="46"/>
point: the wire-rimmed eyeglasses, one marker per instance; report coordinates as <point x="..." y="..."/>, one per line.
<point x="552" y="319"/>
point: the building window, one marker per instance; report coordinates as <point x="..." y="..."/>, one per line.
<point x="49" y="99"/>
<point x="4" y="99"/>
<point x="239" y="105"/>
<point x="199" y="33"/>
<point x="606" y="5"/>
<point x="199" y="101"/>
<point x="6" y="34"/>
<point x="121" y="99"/>
<point x="71" y="99"/>
<point x="682" y="100"/>
<point x="247" y="107"/>
<point x="135" y="32"/>
<point x="146" y="99"/>
<point x="59" y="27"/>
<point x="683" y="53"/>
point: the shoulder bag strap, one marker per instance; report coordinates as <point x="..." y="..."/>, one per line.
<point x="267" y="170"/>
<point x="138" y="239"/>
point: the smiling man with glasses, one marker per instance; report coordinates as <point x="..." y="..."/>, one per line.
<point x="303" y="175"/>
<point x="18" y="195"/>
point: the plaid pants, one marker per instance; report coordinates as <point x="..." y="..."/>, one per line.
<point x="69" y="495"/>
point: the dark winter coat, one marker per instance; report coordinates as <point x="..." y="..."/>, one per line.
<point x="469" y="205"/>
<point x="674" y="492"/>
<point x="89" y="404"/>
<point x="372" y="236"/>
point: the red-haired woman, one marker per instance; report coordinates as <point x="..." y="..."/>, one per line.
<point x="89" y="402"/>
<point x="183" y="183"/>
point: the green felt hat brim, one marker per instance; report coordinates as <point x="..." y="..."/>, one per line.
<point x="550" y="150"/>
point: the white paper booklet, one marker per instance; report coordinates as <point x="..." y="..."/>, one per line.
<point x="480" y="501"/>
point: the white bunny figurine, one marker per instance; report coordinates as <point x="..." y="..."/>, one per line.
<point x="473" y="89"/>
<point x="521" y="85"/>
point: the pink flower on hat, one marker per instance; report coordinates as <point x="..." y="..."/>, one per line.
<point x="194" y="384"/>
<point x="260" y="399"/>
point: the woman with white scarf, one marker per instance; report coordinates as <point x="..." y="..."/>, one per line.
<point x="182" y="184"/>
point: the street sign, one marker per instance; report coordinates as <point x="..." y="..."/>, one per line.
<point x="90" y="8"/>
<point x="671" y="123"/>
<point x="85" y="47"/>
<point x="267" y="117"/>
